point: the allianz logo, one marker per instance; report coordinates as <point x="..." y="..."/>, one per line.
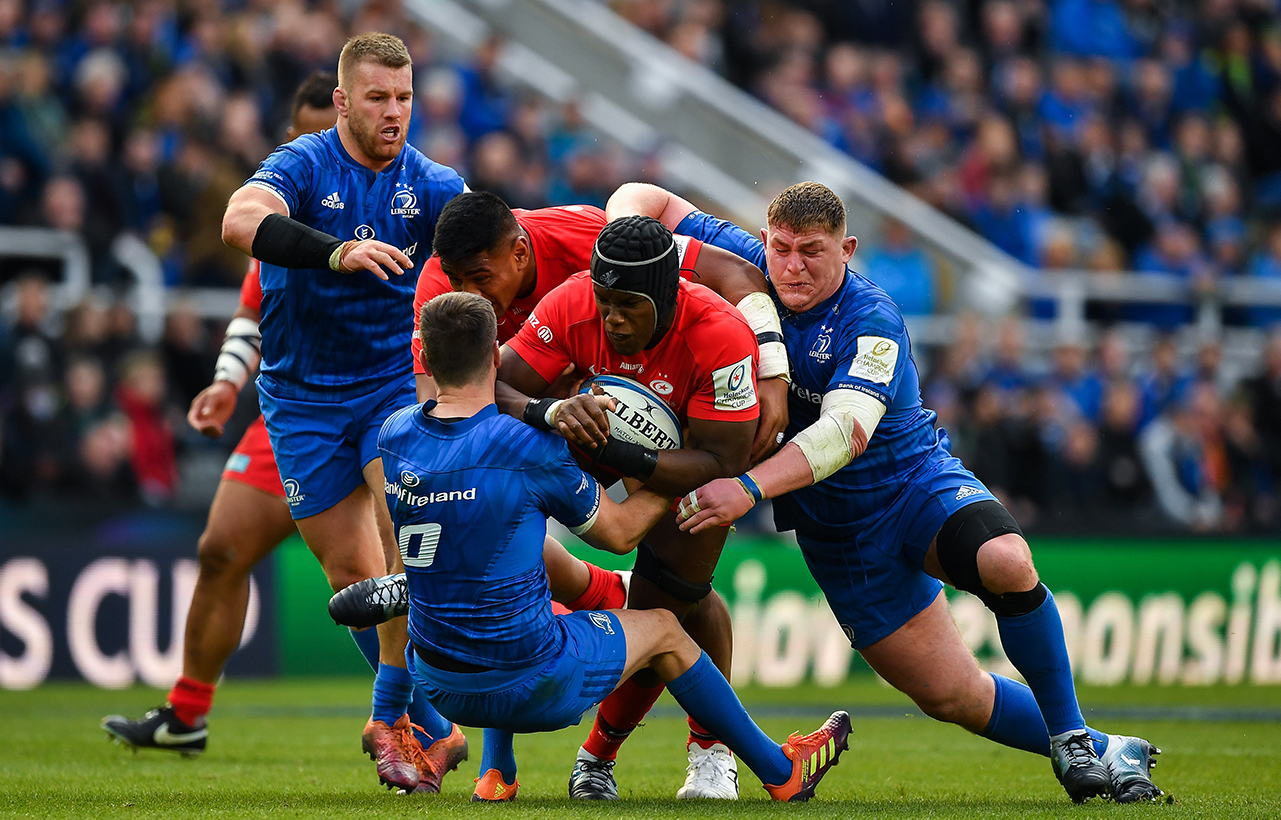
<point x="416" y="500"/>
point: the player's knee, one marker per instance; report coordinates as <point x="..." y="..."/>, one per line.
<point x="1007" y="581"/>
<point x="343" y="575"/>
<point x="654" y="570"/>
<point x="1005" y="565"/>
<point x="219" y="555"/>
<point x="953" y="704"/>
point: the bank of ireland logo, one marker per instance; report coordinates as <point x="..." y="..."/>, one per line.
<point x="364" y="232"/>
<point x="736" y="377"/>
<point x="405" y="203"/>
<point x="408" y="479"/>
<point x="601" y="620"/>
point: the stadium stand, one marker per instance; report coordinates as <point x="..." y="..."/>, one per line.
<point x="1147" y="140"/>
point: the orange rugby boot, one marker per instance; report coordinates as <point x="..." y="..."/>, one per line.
<point x="439" y="758"/>
<point x="394" y="749"/>
<point x="492" y="789"/>
<point x="811" y="757"/>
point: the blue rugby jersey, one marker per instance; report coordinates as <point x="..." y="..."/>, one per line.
<point x="469" y="501"/>
<point x="330" y="336"/>
<point x="854" y="340"/>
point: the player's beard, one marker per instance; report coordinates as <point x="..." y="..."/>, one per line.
<point x="368" y="140"/>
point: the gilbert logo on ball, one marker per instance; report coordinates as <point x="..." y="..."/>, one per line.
<point x="640" y="415"/>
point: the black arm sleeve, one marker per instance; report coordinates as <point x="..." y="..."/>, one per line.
<point x="290" y="244"/>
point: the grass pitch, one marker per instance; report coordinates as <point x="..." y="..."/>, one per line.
<point x="292" y="748"/>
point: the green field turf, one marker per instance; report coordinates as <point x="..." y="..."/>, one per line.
<point x="292" y="748"/>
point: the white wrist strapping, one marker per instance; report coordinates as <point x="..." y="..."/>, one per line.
<point x="828" y="444"/>
<point x="550" y="415"/>
<point x="761" y="315"/>
<point x="241" y="352"/>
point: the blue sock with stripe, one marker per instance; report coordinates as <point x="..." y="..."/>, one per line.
<point x="367" y="642"/>
<point x="1034" y="644"/>
<point x="393" y="689"/>
<point x="423" y="714"/>
<point x="707" y="697"/>
<point x="1016" y="720"/>
<point x="498" y="754"/>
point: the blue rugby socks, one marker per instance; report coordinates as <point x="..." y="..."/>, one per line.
<point x="1016" y="720"/>
<point x="498" y="754"/>
<point x="1034" y="644"/>
<point x="424" y="715"/>
<point x="393" y="688"/>
<point x="434" y="727"/>
<point x="367" y="642"/>
<point x="706" y="696"/>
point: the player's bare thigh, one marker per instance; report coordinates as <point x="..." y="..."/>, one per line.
<point x="345" y="539"/>
<point x="927" y="660"/>
<point x="653" y="633"/>
<point x="245" y="524"/>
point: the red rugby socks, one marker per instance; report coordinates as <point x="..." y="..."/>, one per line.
<point x="617" y="716"/>
<point x="699" y="735"/>
<point x="191" y="699"/>
<point x="605" y="590"/>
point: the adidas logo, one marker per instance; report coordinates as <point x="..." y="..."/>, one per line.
<point x="332" y="201"/>
<point x="966" y="492"/>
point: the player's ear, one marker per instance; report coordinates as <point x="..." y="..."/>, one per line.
<point x="847" y="247"/>
<point x="498" y="355"/>
<point x="291" y="134"/>
<point x="340" y="101"/>
<point x="520" y="249"/>
<point x="422" y="357"/>
<point x="765" y="236"/>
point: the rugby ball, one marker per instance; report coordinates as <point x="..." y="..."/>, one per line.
<point x="640" y="416"/>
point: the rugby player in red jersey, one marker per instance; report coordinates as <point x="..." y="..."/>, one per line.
<point x="515" y="257"/>
<point x="634" y="316"/>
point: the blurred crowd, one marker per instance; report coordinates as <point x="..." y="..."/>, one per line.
<point x="145" y="117"/>
<point x="89" y="413"/>
<point x="1140" y="136"/>
<point x="1097" y="437"/>
<point x="1096" y="134"/>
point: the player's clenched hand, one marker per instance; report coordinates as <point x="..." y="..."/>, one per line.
<point x="583" y="418"/>
<point x="212" y="407"/>
<point x="373" y="256"/>
<point x="715" y="504"/>
<point x="769" y="431"/>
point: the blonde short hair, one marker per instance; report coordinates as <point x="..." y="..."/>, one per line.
<point x="806" y="206"/>
<point x="384" y="49"/>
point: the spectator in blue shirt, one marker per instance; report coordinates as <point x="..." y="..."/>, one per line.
<point x="902" y="269"/>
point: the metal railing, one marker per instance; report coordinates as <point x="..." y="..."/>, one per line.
<point x="714" y="140"/>
<point x="146" y="295"/>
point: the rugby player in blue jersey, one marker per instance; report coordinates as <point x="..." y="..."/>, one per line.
<point x="884" y="513"/>
<point x="470" y="490"/>
<point x="341" y="221"/>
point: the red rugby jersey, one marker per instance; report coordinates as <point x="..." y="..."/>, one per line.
<point x="251" y="288"/>
<point x="561" y="239"/>
<point x="704" y="368"/>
